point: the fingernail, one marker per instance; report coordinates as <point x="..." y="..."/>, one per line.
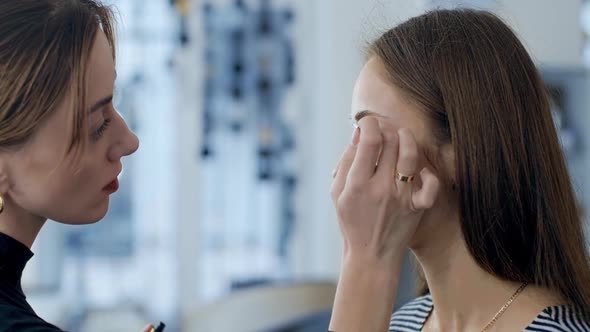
<point x="356" y="135"/>
<point x="334" y="172"/>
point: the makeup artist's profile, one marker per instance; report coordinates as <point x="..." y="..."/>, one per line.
<point x="61" y="140"/>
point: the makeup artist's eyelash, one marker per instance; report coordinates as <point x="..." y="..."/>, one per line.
<point x="98" y="133"/>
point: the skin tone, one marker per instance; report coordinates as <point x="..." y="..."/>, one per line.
<point x="381" y="217"/>
<point x="37" y="183"/>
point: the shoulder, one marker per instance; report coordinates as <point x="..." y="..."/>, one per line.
<point x="13" y="318"/>
<point x="561" y="318"/>
<point x="411" y="316"/>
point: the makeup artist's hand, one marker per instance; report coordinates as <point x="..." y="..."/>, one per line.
<point x="378" y="215"/>
<point x="148" y="328"/>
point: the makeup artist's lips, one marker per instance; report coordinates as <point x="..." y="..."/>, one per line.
<point x="112" y="186"/>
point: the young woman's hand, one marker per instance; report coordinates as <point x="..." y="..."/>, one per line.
<point x="380" y="193"/>
<point x="379" y="210"/>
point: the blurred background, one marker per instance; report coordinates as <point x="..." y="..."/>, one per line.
<point x="223" y="221"/>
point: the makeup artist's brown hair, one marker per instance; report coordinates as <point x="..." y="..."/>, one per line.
<point x="478" y="86"/>
<point x="44" y="51"/>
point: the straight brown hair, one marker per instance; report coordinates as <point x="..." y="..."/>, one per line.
<point x="44" y="51"/>
<point x="469" y="73"/>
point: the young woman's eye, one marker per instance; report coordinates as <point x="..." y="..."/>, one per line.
<point x="100" y="130"/>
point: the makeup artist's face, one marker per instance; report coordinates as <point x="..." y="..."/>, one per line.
<point x="374" y="96"/>
<point x="38" y="180"/>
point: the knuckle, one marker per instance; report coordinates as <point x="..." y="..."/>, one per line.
<point x="334" y="193"/>
<point x="408" y="153"/>
<point x="371" y="140"/>
<point x="380" y="191"/>
<point x="354" y="188"/>
<point x="343" y="204"/>
<point x="390" y="136"/>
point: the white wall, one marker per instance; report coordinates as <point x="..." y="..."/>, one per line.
<point x="550" y="29"/>
<point x="188" y="137"/>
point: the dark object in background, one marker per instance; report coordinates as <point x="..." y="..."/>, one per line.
<point x="160" y="327"/>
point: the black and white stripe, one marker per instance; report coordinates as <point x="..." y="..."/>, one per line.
<point x="559" y="319"/>
<point x="411" y="318"/>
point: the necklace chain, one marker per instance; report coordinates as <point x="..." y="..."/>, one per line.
<point x="505" y="306"/>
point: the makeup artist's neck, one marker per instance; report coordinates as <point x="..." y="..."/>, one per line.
<point x="21" y="225"/>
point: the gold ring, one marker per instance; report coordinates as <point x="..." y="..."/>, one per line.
<point x="403" y="177"/>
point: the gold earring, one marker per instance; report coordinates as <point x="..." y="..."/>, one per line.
<point x="1" y="204"/>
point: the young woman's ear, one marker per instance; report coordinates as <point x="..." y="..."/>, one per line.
<point x="447" y="156"/>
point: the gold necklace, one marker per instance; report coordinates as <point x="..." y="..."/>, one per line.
<point x="505" y="306"/>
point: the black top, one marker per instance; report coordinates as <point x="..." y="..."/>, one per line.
<point x="15" y="312"/>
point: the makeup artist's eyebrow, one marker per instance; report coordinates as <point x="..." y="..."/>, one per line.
<point x="101" y="103"/>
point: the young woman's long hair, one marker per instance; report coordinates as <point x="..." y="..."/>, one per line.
<point x="471" y="76"/>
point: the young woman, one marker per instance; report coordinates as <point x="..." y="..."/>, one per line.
<point x="457" y="158"/>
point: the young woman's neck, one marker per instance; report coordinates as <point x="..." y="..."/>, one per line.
<point x="20" y="224"/>
<point x="465" y="296"/>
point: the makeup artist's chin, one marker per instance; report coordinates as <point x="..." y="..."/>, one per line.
<point x="100" y="211"/>
<point x="91" y="215"/>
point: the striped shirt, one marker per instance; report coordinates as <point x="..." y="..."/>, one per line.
<point x="563" y="318"/>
